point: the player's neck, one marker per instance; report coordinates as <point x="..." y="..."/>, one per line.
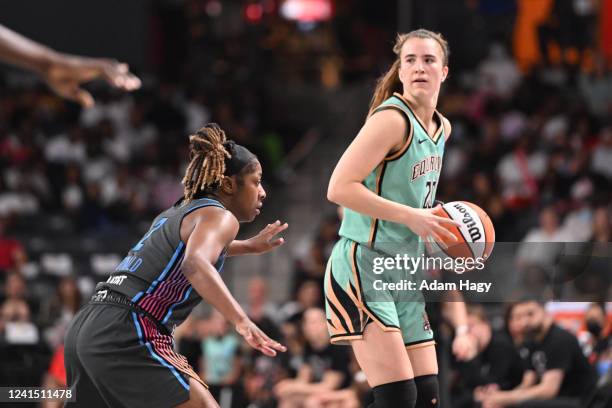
<point x="225" y="201"/>
<point x="423" y="107"/>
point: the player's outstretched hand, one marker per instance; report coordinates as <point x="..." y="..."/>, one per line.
<point x="66" y="73"/>
<point x="266" y="240"/>
<point x="426" y="224"/>
<point x="258" y="339"/>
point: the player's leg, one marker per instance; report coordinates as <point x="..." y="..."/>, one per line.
<point x="199" y="397"/>
<point x="383" y="359"/>
<point x="425" y="367"/>
<point x="83" y="390"/>
<point x="351" y="303"/>
<point x="420" y="347"/>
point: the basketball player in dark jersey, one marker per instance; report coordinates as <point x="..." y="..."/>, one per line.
<point x="119" y="348"/>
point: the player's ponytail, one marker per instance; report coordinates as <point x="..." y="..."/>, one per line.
<point x="385" y="86"/>
<point x="212" y="157"/>
<point x="390" y="82"/>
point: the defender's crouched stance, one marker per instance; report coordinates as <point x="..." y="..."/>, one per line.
<point x="119" y="350"/>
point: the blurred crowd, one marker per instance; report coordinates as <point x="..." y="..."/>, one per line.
<point x="531" y="146"/>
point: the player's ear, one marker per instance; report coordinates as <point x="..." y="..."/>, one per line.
<point x="400" y="73"/>
<point x="444" y="72"/>
<point x="228" y="185"/>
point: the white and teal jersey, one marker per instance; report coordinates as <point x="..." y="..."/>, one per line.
<point x="408" y="176"/>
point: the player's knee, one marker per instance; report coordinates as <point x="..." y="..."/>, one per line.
<point x="428" y="391"/>
<point x="395" y="394"/>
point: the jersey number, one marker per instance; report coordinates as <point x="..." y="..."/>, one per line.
<point x="154" y="228"/>
<point x="431" y="193"/>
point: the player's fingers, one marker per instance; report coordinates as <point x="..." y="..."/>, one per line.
<point x="258" y="343"/>
<point x="132" y="82"/>
<point x="446" y="234"/>
<point x="118" y="75"/>
<point x="438" y="240"/>
<point x="428" y="247"/>
<point x="277" y="242"/>
<point x="122" y="68"/>
<point x="276" y="345"/>
<point x="282" y="227"/>
<point x="82" y="97"/>
<point x="447" y="221"/>
<point x="267" y="228"/>
<point x="268" y="342"/>
<point x="267" y="351"/>
<point x="277" y="226"/>
<point x="252" y="341"/>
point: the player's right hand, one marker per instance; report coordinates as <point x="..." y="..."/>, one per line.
<point x="258" y="339"/>
<point x="426" y="224"/>
<point x="66" y="73"/>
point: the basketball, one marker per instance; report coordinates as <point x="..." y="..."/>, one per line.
<point x="476" y="235"/>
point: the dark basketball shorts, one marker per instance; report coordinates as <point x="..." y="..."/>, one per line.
<point x="351" y="303"/>
<point x="117" y="358"/>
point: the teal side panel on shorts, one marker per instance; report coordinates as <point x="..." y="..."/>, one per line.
<point x="414" y="323"/>
<point x="343" y="307"/>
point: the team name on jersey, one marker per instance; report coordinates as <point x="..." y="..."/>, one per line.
<point x="130" y="263"/>
<point x="427" y="165"/>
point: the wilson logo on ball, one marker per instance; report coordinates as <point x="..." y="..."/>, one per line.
<point x="475" y="235"/>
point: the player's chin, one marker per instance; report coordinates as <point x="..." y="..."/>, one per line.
<point x="254" y="214"/>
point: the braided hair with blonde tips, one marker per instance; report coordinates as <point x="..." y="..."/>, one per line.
<point x="211" y="158"/>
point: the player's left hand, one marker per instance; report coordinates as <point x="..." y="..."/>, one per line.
<point x="66" y="73"/>
<point x="265" y="240"/>
<point x="257" y="339"/>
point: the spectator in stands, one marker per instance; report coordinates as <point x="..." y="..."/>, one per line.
<point x="16" y="289"/>
<point x="602" y="227"/>
<point x="596" y="340"/>
<point x="512" y="326"/>
<point x="12" y="254"/>
<point x="220" y="366"/>
<point x="311" y="267"/>
<point x="558" y="375"/>
<point x="73" y="194"/>
<point x="261" y="371"/>
<point x="543" y="244"/>
<point x="359" y="394"/>
<point x="497" y="365"/>
<point x="14" y="310"/>
<point x="498" y="73"/>
<point x="519" y="171"/>
<point x="325" y="367"/>
<point x="57" y="313"/>
<point x="259" y="308"/>
<point x="23" y="355"/>
<point x="308" y="295"/>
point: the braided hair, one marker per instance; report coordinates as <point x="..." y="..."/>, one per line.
<point x="212" y="157"/>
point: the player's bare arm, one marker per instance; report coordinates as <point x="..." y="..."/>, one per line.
<point x="383" y="133"/>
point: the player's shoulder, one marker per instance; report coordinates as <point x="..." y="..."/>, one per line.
<point x="212" y="215"/>
<point x="214" y="212"/>
<point x="390" y="115"/>
<point x="447" y="126"/>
